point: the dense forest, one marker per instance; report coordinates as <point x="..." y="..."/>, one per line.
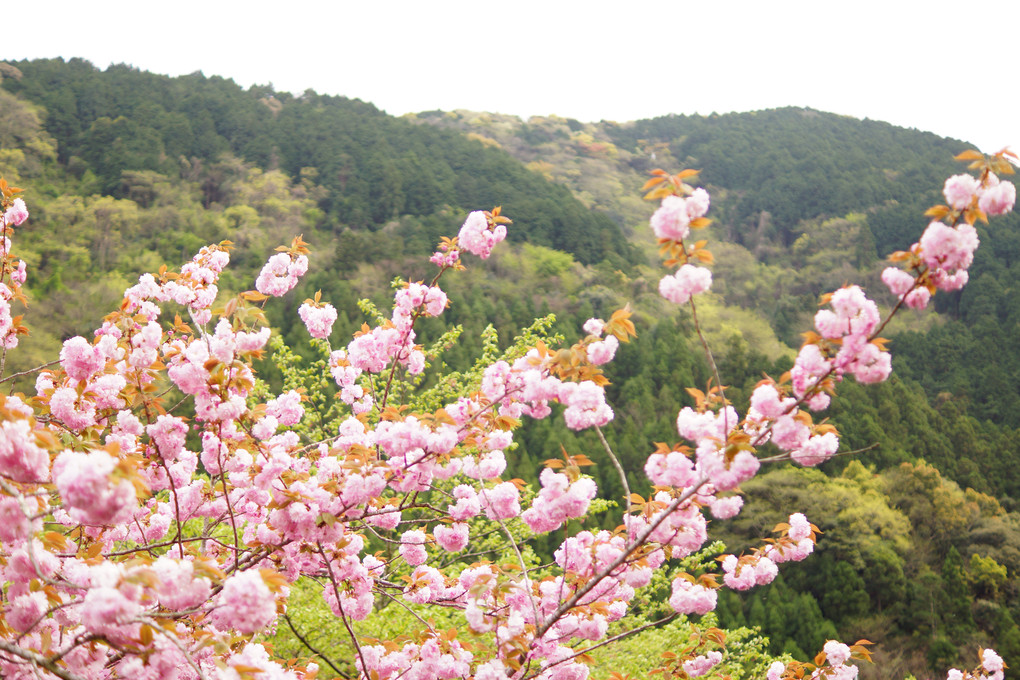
<point x="128" y="170"/>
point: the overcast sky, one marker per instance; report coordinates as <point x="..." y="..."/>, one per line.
<point x="947" y="67"/>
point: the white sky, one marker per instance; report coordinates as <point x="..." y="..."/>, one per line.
<point x="947" y="67"/>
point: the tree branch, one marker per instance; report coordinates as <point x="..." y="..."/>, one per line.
<point x="39" y="661"/>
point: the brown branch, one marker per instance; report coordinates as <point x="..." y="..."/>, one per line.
<point x="340" y="608"/>
<point x="610" y="640"/>
<point x="39" y="661"/>
<point x="621" y="559"/>
<point x="313" y="650"/>
<point x="620" y="471"/>
<point x="29" y="371"/>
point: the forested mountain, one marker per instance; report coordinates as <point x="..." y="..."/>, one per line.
<point x="126" y="170"/>
<point x="372" y="167"/>
<point x="807" y="201"/>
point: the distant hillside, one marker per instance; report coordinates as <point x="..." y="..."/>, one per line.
<point x="807" y="202"/>
<point x="776" y="168"/>
<point x="373" y="167"/>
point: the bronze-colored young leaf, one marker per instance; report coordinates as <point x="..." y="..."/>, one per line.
<point x="970" y="155"/>
<point x="657" y="194"/>
<point x="653" y="182"/>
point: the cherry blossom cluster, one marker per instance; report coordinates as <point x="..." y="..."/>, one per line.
<point x="848" y="343"/>
<point x="13" y="213"/>
<point x="672" y="223"/>
<point x="16" y="213"/>
<point x="673" y="219"/>
<point x="941" y="258"/>
<point x="559" y="500"/>
<point x="447" y="255"/>
<point x="9" y="326"/>
<point x="991" y="668"/>
<point x="194" y="287"/>
<point x="688" y="281"/>
<point x="993" y="196"/>
<point x="318" y="318"/>
<point x="281" y="273"/>
<point x="836" y="656"/>
<point x="105" y="491"/>
<point x="843" y="346"/>
<point x="481" y="232"/>
<point x="433" y="659"/>
<point x="381" y="348"/>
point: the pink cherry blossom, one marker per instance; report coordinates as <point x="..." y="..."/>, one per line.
<point x="698" y="203"/>
<point x="672" y="220"/>
<point x="16" y="214"/>
<point x="998" y="200"/>
<point x="90" y="489"/>
<point x="586" y="405"/>
<point x="603" y="351"/>
<point x="452" y="538"/>
<point x="412" y="547"/>
<point x="898" y="281"/>
<point x="800" y="528"/>
<point x="280" y="274"/>
<point x="476" y="237"/>
<point x="286" y="408"/>
<point x="947" y="247"/>
<point x="501" y="501"/>
<point x="168" y="433"/>
<point x="26" y="611"/>
<point x="687" y="282"/>
<point x="81" y="359"/>
<point x="318" y="320"/>
<point x="245" y="603"/>
<point x="690" y="598"/>
<point x="594" y="327"/>
<point x="725" y="508"/>
<point x="178" y="587"/>
<point x="21" y="458"/>
<point x="836" y="653"/>
<point x="959" y="190"/>
<point x="702" y="664"/>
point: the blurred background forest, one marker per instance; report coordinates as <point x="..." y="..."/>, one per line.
<point x="126" y="170"/>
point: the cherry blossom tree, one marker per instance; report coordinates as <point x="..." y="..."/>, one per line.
<point x="138" y="542"/>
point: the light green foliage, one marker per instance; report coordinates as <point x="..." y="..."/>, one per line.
<point x="986" y="576"/>
<point x="747" y="656"/>
<point x="312" y="619"/>
<point x="722" y="323"/>
<point x="857" y="520"/>
<point x="310" y="376"/>
<point x="25" y="147"/>
<point x="454" y="384"/>
<point x="545" y="262"/>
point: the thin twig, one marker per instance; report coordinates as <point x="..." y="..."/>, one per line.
<point x="226" y="493"/>
<point x="524" y="567"/>
<point x="780" y="457"/>
<point x="29" y="371"/>
<point x="176" y="643"/>
<point x="711" y="363"/>
<point x="620" y="636"/>
<point x="38" y="660"/>
<point x="340" y="608"/>
<point x="623" y="476"/>
<point x="313" y="650"/>
<point x="410" y="611"/>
